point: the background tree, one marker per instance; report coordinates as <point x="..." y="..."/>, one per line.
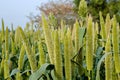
<point x="55" y="11"/>
<point x="105" y="6"/>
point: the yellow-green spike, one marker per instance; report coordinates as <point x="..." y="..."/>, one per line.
<point x="41" y="54"/>
<point x="77" y="46"/>
<point x="31" y="56"/>
<point x="17" y="38"/>
<point x="21" y="58"/>
<point x="6" y="70"/>
<point x="6" y="44"/>
<point x="102" y="24"/>
<point x="6" y="65"/>
<point x="19" y="76"/>
<point x="20" y="63"/>
<point x="115" y="42"/>
<point x="48" y="39"/>
<point x="82" y="8"/>
<point x="96" y="28"/>
<point x="3" y="49"/>
<point x="33" y="49"/>
<point x="107" y="25"/>
<point x="13" y="47"/>
<point x="62" y="31"/>
<point x="71" y="53"/>
<point x="2" y="67"/>
<point x="73" y="32"/>
<point x="89" y="44"/>
<point x="67" y="58"/>
<point x="108" y="61"/>
<point x="58" y="57"/>
<point x="3" y="32"/>
<point x="52" y="33"/>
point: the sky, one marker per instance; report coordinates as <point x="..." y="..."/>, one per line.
<point x="15" y="11"/>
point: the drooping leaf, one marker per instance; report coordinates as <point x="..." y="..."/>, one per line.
<point x="99" y="64"/>
<point x="14" y="71"/>
<point x="43" y="71"/>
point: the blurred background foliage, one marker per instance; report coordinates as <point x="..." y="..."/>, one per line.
<point x="105" y="6"/>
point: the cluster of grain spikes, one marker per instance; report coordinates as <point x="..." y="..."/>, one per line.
<point x="64" y="48"/>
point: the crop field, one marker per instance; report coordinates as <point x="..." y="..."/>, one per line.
<point x="86" y="51"/>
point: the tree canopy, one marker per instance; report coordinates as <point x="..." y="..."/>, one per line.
<point x="105" y="6"/>
<point x="55" y="11"/>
